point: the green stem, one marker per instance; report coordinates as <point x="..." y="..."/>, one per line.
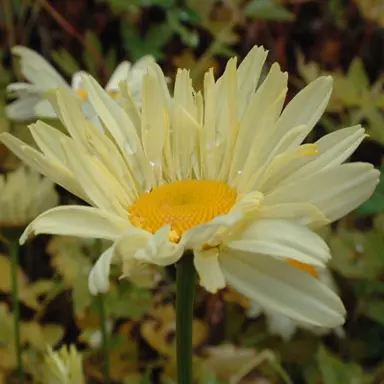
<point x="104" y="335"/>
<point x="14" y="253"/>
<point x="185" y="292"/>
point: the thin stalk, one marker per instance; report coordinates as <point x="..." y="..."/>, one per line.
<point x="185" y="292"/>
<point x="104" y="336"/>
<point x="14" y="253"/>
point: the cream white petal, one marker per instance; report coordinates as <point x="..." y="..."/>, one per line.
<point x="102" y="188"/>
<point x="23" y="89"/>
<point x="305" y="108"/>
<point x="48" y="139"/>
<point x="155" y="71"/>
<point x="98" y="280"/>
<point x="121" y="128"/>
<point x="120" y="74"/>
<point x="255" y="126"/>
<point x="77" y="80"/>
<point x="93" y="140"/>
<point x="126" y="247"/>
<point x="282" y="288"/>
<point x="209" y="270"/>
<point x="77" y="221"/>
<point x="125" y="99"/>
<point x="335" y="191"/>
<point x="40" y="163"/>
<point x="43" y="109"/>
<point x="37" y="70"/>
<point x="159" y="250"/>
<point x="196" y="237"/>
<point x="282" y="239"/>
<point x="258" y="162"/>
<point x="300" y="213"/>
<point x="333" y="148"/>
<point x="154" y="125"/>
<point x="248" y="73"/>
<point x="23" y="109"/>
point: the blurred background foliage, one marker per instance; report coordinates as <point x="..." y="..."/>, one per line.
<point x="344" y="38"/>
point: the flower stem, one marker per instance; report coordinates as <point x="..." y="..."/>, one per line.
<point x="185" y="292"/>
<point x="14" y="253"/>
<point x="104" y="335"/>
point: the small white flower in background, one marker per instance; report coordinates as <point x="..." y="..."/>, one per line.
<point x="24" y="194"/>
<point x="42" y="77"/>
<point x="221" y="173"/>
<point x="64" y="366"/>
<point x="285" y="327"/>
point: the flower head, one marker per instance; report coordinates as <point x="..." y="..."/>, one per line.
<point x="222" y="173"/>
<point x="63" y="367"/>
<point x="24" y="194"/>
<point x="32" y="102"/>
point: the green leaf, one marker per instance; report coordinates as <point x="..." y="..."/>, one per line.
<point x="335" y="371"/>
<point x="267" y="10"/>
<point x="89" y="58"/>
<point x="65" y="62"/>
<point x="151" y="44"/>
<point x="174" y="19"/>
<point x="356" y="72"/>
<point x="374" y="310"/>
<point x="128" y="301"/>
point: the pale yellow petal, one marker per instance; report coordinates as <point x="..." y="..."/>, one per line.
<point x="280" y="287"/>
<point x="208" y="269"/>
<point x="77" y="221"/>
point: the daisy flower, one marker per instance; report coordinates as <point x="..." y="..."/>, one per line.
<point x="31" y="100"/>
<point x="64" y="366"/>
<point x="24" y="194"/>
<point x="220" y="175"/>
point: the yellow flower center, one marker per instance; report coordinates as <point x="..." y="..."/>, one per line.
<point x="182" y="205"/>
<point x="304" y="267"/>
<point x="84" y="94"/>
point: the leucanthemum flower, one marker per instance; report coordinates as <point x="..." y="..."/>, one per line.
<point x="64" y="366"/>
<point x="222" y="173"/>
<point x="31" y="100"/>
<point x="24" y="194"/>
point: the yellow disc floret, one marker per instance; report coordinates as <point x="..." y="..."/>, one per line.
<point x="182" y="205"/>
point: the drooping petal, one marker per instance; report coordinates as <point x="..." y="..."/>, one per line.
<point x="282" y="288"/>
<point x="160" y="250"/>
<point x="209" y="270"/>
<point x="282" y="239"/>
<point x="77" y="221"/>
<point x="98" y="280"/>
<point x="196" y="237"/>
<point x="126" y="247"/>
